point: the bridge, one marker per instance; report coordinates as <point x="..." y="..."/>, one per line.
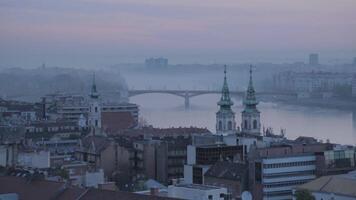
<point x="187" y="94"/>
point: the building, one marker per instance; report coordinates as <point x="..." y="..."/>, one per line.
<point x="201" y="158"/>
<point x="34" y="159"/>
<point x="94" y="115"/>
<point x="153" y="63"/>
<point x="313" y="59"/>
<point x="160" y="159"/>
<point x="312" y="83"/>
<point x="100" y="153"/>
<point x="196" y="192"/>
<point x="171" y="157"/>
<point x="250" y="117"/>
<point x="24" y="111"/>
<point x="225" y="117"/>
<point x="143" y="159"/>
<point x="8" y="154"/>
<point x="40" y="130"/>
<point x="232" y="176"/>
<point x="275" y="170"/>
<point x="340" y="187"/>
<point x="354" y="61"/>
<point x="338" y="160"/>
<point x="80" y="174"/>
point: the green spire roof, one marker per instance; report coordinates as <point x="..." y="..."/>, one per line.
<point x="225" y="100"/>
<point x="94" y="93"/>
<point x="250" y="97"/>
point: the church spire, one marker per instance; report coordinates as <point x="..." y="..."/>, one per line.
<point x="225" y="117"/>
<point x="250" y="118"/>
<point x="94" y="93"/>
<point x="250" y="98"/>
<point x="225" y="100"/>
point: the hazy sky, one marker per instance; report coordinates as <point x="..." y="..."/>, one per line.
<point x="103" y="32"/>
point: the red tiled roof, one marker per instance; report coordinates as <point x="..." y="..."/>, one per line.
<point x="165" y="132"/>
<point x="47" y="190"/>
<point x="95" y="194"/>
<point x="36" y="189"/>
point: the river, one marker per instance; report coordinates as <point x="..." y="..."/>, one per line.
<point x="164" y="110"/>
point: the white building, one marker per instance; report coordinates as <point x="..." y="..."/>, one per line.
<point x="196" y="192"/>
<point x="8" y="154"/>
<point x="225" y="117"/>
<point x="280" y="175"/>
<point x="34" y="159"/>
<point x="81" y="175"/>
<point x="250" y="116"/>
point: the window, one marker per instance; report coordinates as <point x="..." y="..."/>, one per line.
<point x="96" y="122"/>
<point x="254" y="124"/>
<point x="220" y="125"/>
<point x="245" y="124"/>
<point x="96" y="109"/>
<point x="229" y="125"/>
<point x="210" y="197"/>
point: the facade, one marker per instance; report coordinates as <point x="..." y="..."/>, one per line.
<point x="250" y="117"/>
<point x="275" y="170"/>
<point x="40" y="130"/>
<point x="8" y="154"/>
<point x="143" y="159"/>
<point x="201" y="158"/>
<point x="335" y="161"/>
<point x="100" y="153"/>
<point x="196" y="192"/>
<point x="94" y="115"/>
<point x="225" y="117"/>
<point x="34" y="159"/>
<point x="162" y="160"/>
<point x="314" y="59"/>
<point x="311" y="82"/>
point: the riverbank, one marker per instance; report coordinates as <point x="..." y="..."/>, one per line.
<point x="333" y="103"/>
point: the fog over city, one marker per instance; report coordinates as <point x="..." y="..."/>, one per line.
<point x="177" y="99"/>
<point x="95" y="33"/>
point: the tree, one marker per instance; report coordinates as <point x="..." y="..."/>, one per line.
<point x="303" y="195"/>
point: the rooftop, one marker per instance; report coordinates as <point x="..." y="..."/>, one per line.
<point x="45" y="190"/>
<point x="227" y="170"/>
<point x="339" y="184"/>
<point x="197" y="186"/>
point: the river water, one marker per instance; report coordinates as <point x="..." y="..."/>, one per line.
<point x="164" y="110"/>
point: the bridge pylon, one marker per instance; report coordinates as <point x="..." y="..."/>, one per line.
<point x="186" y="101"/>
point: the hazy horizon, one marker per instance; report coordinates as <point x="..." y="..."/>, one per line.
<point x="106" y="32"/>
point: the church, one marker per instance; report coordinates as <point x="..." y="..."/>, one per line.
<point x="249" y="132"/>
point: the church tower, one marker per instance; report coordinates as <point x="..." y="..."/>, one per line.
<point x="94" y="118"/>
<point x="225" y="117"/>
<point x="250" y="118"/>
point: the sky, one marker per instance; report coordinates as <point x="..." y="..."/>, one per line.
<point x="87" y="33"/>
